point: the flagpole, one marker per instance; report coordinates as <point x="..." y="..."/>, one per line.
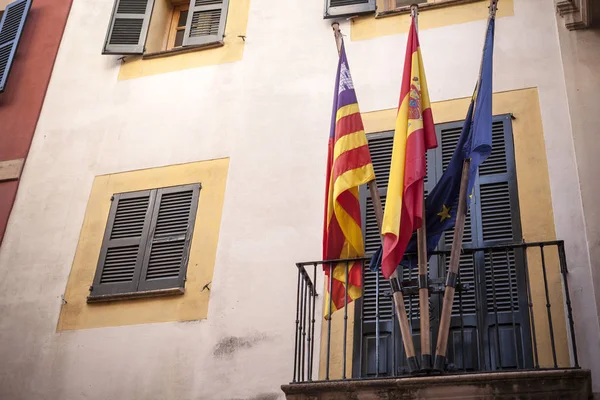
<point x="422" y="265"/>
<point x="452" y="276"/>
<point x="400" y="309"/>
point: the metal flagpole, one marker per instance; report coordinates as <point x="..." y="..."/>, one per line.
<point x="422" y="262"/>
<point x="451" y="278"/>
<point x="397" y="293"/>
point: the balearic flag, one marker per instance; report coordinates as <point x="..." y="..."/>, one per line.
<point x="414" y="135"/>
<point x="348" y="166"/>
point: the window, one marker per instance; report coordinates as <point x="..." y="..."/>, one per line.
<point x="196" y="23"/>
<point x="146" y="244"/>
<point x="493" y="219"/>
<point x="337" y="8"/>
<point x="177" y="28"/>
<point x="12" y="21"/>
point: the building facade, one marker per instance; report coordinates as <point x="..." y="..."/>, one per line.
<point x="31" y="36"/>
<point x="177" y="170"/>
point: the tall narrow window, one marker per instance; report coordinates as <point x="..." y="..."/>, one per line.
<point x="177" y="29"/>
<point x="493" y="218"/>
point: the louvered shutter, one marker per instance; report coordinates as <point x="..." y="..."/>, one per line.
<point x="206" y="22"/>
<point x="124" y="242"/>
<point x="166" y="257"/>
<point x="498" y="208"/>
<point x="449" y="134"/>
<point x="11" y="27"/>
<point x="128" y="27"/>
<point x="336" y="8"/>
<point x="499" y="223"/>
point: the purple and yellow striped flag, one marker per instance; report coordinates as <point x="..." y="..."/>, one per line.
<point x="348" y="166"/>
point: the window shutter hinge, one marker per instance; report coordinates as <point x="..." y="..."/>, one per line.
<point x="91" y="288"/>
<point x="112" y="198"/>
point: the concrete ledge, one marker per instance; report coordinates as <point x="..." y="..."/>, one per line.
<point x="542" y="384"/>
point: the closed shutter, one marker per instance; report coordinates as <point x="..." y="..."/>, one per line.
<point x="147" y="241"/>
<point x="498" y="208"/>
<point x="336" y="8"/>
<point x="166" y="257"/>
<point x="125" y="238"/>
<point x="492" y="219"/>
<point x="128" y="27"/>
<point x="449" y="134"/>
<point x="11" y="27"/>
<point x="206" y="22"/>
<point x="497" y="205"/>
<point x="380" y="146"/>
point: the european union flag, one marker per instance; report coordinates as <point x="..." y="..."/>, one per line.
<point x="475" y="142"/>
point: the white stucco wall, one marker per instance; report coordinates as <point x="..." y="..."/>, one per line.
<point x="270" y="114"/>
<point x="581" y="60"/>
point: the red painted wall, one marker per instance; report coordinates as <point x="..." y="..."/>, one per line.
<point x="21" y="102"/>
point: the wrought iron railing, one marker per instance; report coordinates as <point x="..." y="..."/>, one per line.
<point x="512" y="312"/>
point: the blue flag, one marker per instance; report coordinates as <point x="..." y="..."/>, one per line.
<point x="475" y="142"/>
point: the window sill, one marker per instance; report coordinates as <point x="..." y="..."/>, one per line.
<point x="135" y="295"/>
<point x="423" y="7"/>
<point x="181" y="50"/>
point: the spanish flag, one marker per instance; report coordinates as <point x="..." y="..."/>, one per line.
<point x="413" y="136"/>
<point x="348" y="166"/>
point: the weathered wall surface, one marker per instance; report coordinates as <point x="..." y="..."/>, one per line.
<point x="270" y="114"/>
<point x="581" y="60"/>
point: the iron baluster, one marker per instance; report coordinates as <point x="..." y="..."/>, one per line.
<point x="462" y="322"/>
<point x="296" y="347"/>
<point x="377" y="322"/>
<point x="564" y="271"/>
<point x="512" y="309"/>
<point x="312" y="344"/>
<point x="497" y="328"/>
<point x="305" y="287"/>
<point x="530" y="304"/>
<point x="548" y="306"/>
<point x="345" y="323"/>
<point x="329" y="322"/>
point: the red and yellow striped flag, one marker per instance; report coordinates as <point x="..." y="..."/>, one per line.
<point x="348" y="166"/>
<point x="414" y="135"/>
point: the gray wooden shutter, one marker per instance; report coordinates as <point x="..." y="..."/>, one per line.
<point x="380" y="146"/>
<point x="498" y="207"/>
<point x="11" y="27"/>
<point x="449" y="134"/>
<point x="337" y="8"/>
<point x="206" y="22"/>
<point x="496" y="201"/>
<point x="124" y="242"/>
<point x="128" y="27"/>
<point x="167" y="250"/>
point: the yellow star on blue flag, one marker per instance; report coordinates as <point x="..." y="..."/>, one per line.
<point x="445" y="213"/>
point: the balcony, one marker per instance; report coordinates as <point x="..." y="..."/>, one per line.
<point x="512" y="331"/>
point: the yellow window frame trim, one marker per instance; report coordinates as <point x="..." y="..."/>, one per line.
<point x="76" y="314"/>
<point x="537" y="221"/>
<point x="432" y="15"/>
<point x="230" y="50"/>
